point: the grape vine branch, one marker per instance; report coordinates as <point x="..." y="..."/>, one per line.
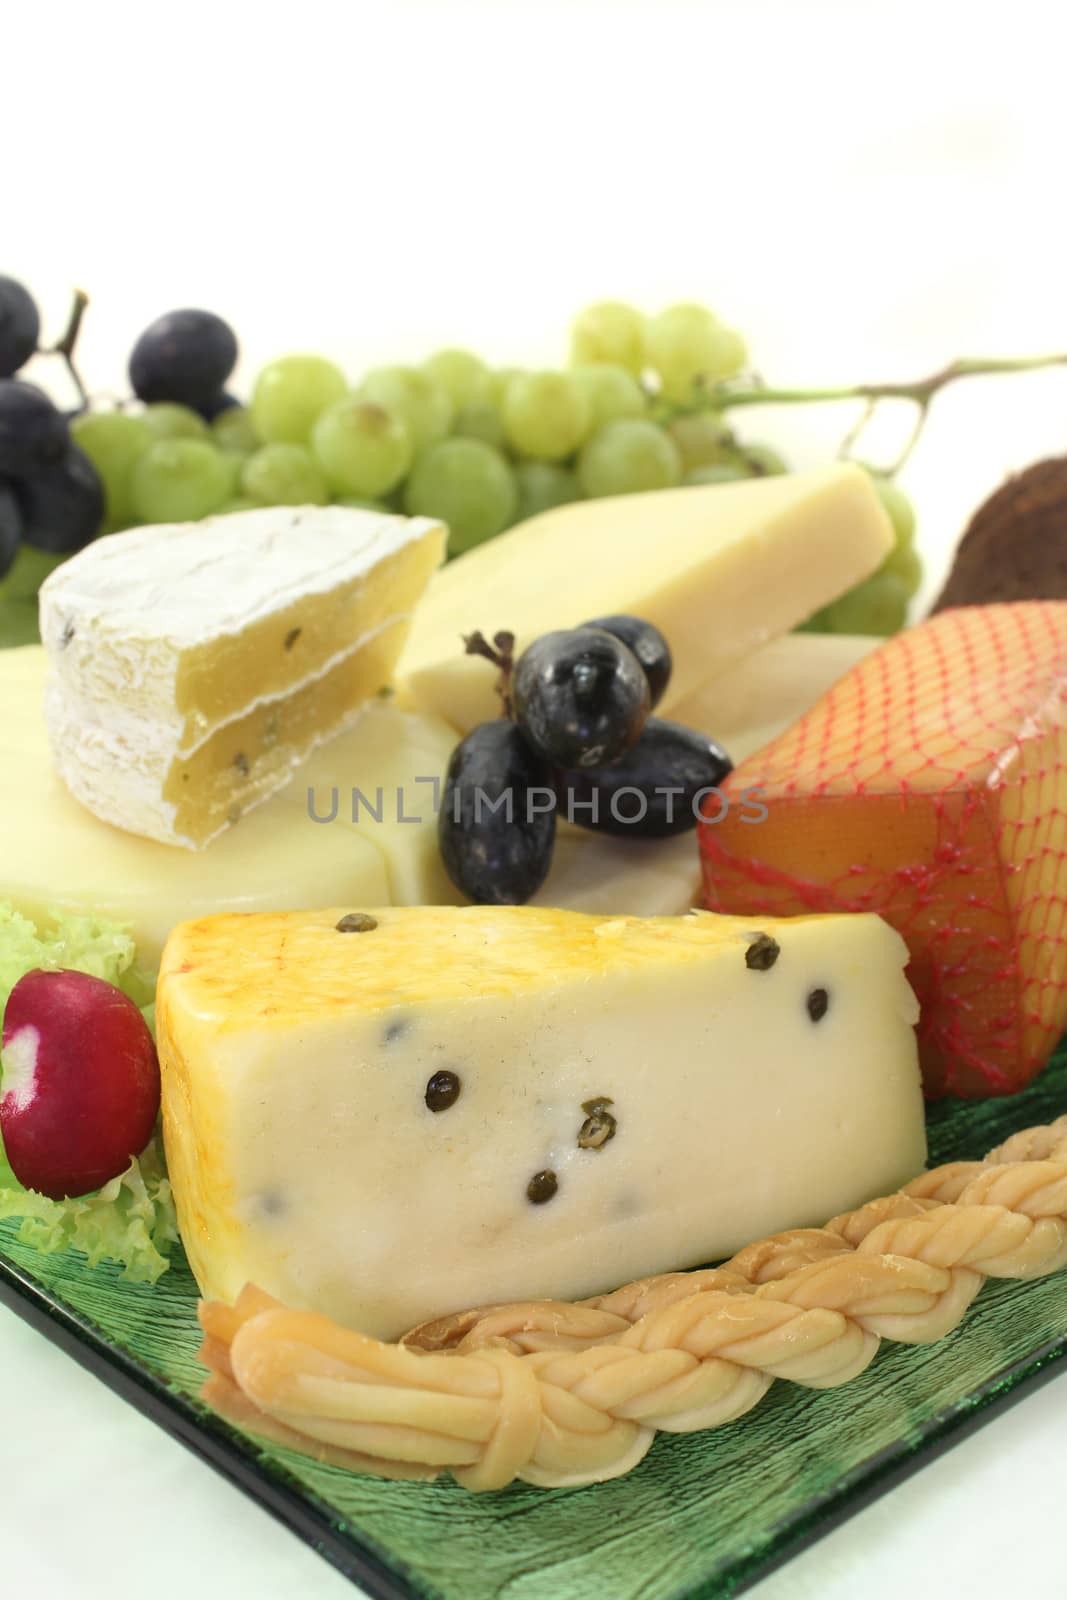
<point x="65" y="346"/>
<point x="754" y="392"/>
<point x="501" y="653"/>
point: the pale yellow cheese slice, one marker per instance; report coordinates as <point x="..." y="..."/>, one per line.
<point x="378" y="785"/>
<point x="300" y="1063"/>
<point x="721" y="570"/>
<point x="755" y="700"/>
<point x="385" y="780"/>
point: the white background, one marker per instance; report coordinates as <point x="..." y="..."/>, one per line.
<point x="866" y="189"/>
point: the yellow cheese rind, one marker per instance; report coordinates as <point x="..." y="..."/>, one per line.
<point x="304" y="1157"/>
<point x="720" y="570"/>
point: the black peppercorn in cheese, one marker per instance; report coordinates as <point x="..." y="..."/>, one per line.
<point x="462" y="1105"/>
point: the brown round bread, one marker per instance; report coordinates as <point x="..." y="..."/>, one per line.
<point x="1015" y="545"/>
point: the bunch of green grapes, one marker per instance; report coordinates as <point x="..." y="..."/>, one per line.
<point x="479" y="448"/>
<point x="451" y="438"/>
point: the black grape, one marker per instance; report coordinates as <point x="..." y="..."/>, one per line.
<point x="648" y="645"/>
<point x="667" y="756"/>
<point x="20" y="326"/>
<point x="10" y="528"/>
<point x="62" y="508"/>
<point x="33" y="434"/>
<point x="497" y="857"/>
<point x="184" y="356"/>
<point x="580" y="697"/>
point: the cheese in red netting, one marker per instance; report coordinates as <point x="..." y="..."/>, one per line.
<point x="929" y="785"/>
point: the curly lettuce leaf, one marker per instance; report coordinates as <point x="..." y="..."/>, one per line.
<point x="130" y="1220"/>
<point x="83" y="943"/>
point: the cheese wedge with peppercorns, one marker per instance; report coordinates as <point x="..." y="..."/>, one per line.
<point x="389" y="1115"/>
<point x="195" y="665"/>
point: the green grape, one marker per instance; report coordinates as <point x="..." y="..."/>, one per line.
<point x="234" y="466"/>
<point x="820" y="622"/>
<point x="112" y="440"/>
<point x="499" y="379"/>
<point x="234" y="431"/>
<point x="464" y="377"/>
<point x="905" y="563"/>
<point x="761" y="460"/>
<point x="284" y="475"/>
<point x="542" y="485"/>
<point x="686" y="343"/>
<point x="413" y="396"/>
<point x="361" y="447"/>
<point x="899" y="507"/>
<point x="627" y="457"/>
<point x="27" y="573"/>
<point x="546" y="414"/>
<point x="877" y="605"/>
<point x="165" y="420"/>
<point x="180" y="480"/>
<point x="482" y="421"/>
<point x="718" y="472"/>
<point x="609" y="331"/>
<point x="357" y="502"/>
<point x="612" y="392"/>
<point x="290" y="394"/>
<point x="239" y="502"/>
<point x="703" y="438"/>
<point x="467" y="484"/>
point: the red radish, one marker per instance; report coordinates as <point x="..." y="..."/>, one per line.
<point x="79" y="1094"/>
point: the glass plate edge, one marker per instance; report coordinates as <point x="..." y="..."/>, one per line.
<point x="209" y="1439"/>
<point x="299" y="1510"/>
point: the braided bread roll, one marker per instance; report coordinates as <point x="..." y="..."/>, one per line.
<point x="560" y="1394"/>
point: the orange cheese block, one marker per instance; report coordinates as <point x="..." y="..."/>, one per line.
<point x="929" y="785"/>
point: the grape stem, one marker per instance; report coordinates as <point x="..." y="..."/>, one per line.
<point x="501" y="653"/>
<point x="65" y="346"/>
<point x="753" y="392"/>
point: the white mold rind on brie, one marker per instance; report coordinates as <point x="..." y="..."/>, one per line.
<point x="166" y="644"/>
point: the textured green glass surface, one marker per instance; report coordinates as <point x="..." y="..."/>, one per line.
<point x="705" y="1514"/>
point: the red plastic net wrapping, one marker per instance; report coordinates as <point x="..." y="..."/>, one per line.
<point x="930" y="785"/>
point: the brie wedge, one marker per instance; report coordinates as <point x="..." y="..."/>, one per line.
<point x="194" y="666"/>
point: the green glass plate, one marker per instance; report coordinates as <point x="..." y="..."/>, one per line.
<point x="704" y="1515"/>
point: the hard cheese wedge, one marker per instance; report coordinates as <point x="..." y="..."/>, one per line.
<point x="194" y="666"/>
<point x="55" y="854"/>
<point x="930" y="785"/>
<point x="467" y="1105"/>
<point x="719" y="569"/>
